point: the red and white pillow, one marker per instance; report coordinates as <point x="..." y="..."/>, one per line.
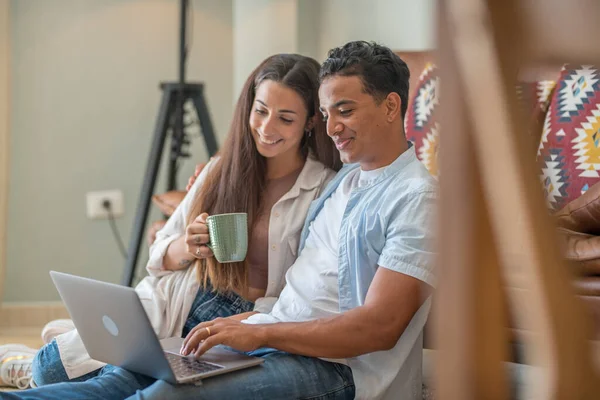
<point x="422" y="121"/>
<point x="569" y="150"/>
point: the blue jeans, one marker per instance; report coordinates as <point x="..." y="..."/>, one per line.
<point x="47" y="367"/>
<point x="281" y="376"/>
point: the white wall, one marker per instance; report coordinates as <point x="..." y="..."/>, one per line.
<point x="398" y="24"/>
<point x="309" y="28"/>
<point x="261" y="28"/>
<point x="85" y="77"/>
<point x="312" y="27"/>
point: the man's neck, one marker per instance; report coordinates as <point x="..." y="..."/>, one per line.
<point x="387" y="155"/>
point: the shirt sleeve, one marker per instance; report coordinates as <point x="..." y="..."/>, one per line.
<point x="264" y="304"/>
<point x="174" y="228"/>
<point x="410" y="238"/>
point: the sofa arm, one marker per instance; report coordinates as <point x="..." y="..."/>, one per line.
<point x="588" y="286"/>
<point x="582" y="250"/>
<point x="583" y="213"/>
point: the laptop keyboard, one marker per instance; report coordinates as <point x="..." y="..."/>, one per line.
<point x="184" y="366"/>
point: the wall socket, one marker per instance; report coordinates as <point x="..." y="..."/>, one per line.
<point x="95" y="209"/>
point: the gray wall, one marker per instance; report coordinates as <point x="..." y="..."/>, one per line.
<point x="84" y="101"/>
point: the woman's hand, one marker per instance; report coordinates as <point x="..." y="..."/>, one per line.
<point x="196" y="238"/>
<point x="242" y="316"/>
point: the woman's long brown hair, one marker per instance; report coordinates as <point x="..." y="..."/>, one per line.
<point x="237" y="181"/>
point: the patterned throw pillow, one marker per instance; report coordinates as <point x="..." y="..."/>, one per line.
<point x="569" y="150"/>
<point x="421" y="122"/>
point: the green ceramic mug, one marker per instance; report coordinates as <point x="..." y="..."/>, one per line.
<point x="228" y="234"/>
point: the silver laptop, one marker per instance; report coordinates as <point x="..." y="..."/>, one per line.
<point x="115" y="329"/>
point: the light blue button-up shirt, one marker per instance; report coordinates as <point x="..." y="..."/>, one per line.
<point x="388" y="223"/>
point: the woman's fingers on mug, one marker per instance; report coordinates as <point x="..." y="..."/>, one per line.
<point x="201" y="218"/>
<point x="197" y="228"/>
<point x="200" y="251"/>
<point x="198" y="239"/>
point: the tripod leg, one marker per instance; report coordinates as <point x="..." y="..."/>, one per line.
<point x="205" y="123"/>
<point x="160" y="134"/>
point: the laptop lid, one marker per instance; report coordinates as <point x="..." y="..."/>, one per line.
<point x="113" y="325"/>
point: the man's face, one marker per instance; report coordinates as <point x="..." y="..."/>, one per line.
<point x="355" y="122"/>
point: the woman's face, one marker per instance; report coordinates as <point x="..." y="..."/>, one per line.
<point x="277" y="120"/>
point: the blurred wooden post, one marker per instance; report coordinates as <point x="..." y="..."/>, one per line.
<point x="487" y="177"/>
<point x="470" y="290"/>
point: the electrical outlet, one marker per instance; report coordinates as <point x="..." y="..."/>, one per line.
<point x="95" y="207"/>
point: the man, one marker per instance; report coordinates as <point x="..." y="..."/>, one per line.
<point x="349" y="322"/>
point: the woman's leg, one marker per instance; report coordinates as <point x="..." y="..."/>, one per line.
<point x="111" y="383"/>
<point x="47" y="367"/>
<point x="209" y="305"/>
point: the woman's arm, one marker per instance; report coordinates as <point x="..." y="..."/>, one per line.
<point x="169" y="251"/>
<point x="242" y="316"/>
<point x="177" y="257"/>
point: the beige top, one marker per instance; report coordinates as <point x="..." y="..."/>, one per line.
<point x="258" y="245"/>
<point x="167" y="296"/>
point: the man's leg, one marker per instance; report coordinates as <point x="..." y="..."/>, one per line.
<point x="281" y="376"/>
<point x="111" y="383"/>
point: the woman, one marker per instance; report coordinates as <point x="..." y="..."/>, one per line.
<point x="276" y="160"/>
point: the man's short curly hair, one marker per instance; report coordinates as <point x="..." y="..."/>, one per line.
<point x="379" y="68"/>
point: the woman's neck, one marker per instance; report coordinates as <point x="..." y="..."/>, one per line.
<point x="283" y="165"/>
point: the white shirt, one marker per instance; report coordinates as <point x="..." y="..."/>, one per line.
<point x="386" y="224"/>
<point x="311" y="290"/>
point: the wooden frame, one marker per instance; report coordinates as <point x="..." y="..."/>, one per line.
<point x="488" y="178"/>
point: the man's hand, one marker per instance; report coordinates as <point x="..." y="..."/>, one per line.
<point x="190" y="183"/>
<point x="153" y="230"/>
<point x="227" y="331"/>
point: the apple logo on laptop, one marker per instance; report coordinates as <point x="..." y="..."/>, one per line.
<point x="110" y="325"/>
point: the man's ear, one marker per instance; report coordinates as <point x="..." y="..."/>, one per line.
<point x="393" y="105"/>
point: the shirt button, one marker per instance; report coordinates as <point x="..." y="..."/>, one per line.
<point x="273" y="247"/>
<point x="276" y="215"/>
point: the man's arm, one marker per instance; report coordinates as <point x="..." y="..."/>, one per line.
<point x="391" y="302"/>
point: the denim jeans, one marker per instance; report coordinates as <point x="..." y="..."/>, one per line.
<point x="281" y="376"/>
<point x="47" y="367"/>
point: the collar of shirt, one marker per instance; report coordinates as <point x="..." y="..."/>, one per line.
<point x="306" y="180"/>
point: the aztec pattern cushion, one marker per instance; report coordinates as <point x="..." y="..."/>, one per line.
<point x="421" y="123"/>
<point x="569" y="150"/>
